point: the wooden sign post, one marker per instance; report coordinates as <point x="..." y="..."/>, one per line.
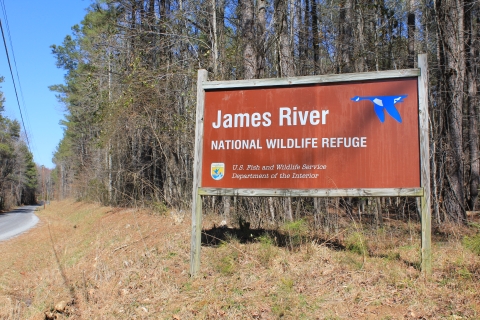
<point x="347" y="135"/>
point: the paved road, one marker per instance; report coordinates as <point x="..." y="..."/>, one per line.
<point x="17" y="221"/>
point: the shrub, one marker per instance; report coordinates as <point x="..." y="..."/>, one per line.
<point x="472" y="243"/>
<point x="159" y="208"/>
<point x="356" y="243"/>
<point x="267" y="250"/>
<point x="296" y="231"/>
<point x="227" y="264"/>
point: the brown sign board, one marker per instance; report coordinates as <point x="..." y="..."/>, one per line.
<point x="342" y="135"/>
<point x="362" y="134"/>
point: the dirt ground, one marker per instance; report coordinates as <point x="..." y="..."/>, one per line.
<point x="84" y="261"/>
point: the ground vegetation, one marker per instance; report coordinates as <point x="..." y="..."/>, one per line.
<point x="86" y="261"/>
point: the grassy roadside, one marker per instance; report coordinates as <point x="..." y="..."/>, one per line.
<point x="108" y="263"/>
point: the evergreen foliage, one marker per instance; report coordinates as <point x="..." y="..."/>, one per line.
<point x="18" y="175"/>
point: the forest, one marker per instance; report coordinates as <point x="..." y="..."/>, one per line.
<point x="130" y="91"/>
<point x="18" y="172"/>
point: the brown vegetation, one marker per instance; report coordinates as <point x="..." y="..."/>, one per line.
<point x="84" y="261"/>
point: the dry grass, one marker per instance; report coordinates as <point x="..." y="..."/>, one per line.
<point x="111" y="263"/>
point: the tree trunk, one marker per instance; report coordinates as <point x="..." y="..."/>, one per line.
<point x="287" y="207"/>
<point x="472" y="100"/>
<point x="215" y="38"/>
<point x="344" y="47"/>
<point x="261" y="37"/>
<point x="378" y="213"/>
<point x="248" y="38"/>
<point x="411" y="34"/>
<point x="359" y="50"/>
<point x="316" y="38"/>
<point x="271" y="208"/>
<point x="284" y="48"/>
<point x="450" y="16"/>
<point x="221" y="37"/>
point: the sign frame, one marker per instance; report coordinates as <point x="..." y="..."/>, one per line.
<point x="423" y="192"/>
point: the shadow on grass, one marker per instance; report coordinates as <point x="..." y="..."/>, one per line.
<point x="417" y="265"/>
<point x="66" y="281"/>
<point x="216" y="235"/>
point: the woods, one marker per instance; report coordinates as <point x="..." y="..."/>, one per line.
<point x="130" y="90"/>
<point x="18" y="173"/>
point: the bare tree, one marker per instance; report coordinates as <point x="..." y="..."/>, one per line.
<point x="248" y="39"/>
<point x="450" y="21"/>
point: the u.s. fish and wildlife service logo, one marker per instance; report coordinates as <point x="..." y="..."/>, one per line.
<point x="217" y="171"/>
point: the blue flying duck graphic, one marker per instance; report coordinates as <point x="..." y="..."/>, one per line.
<point x="384" y="102"/>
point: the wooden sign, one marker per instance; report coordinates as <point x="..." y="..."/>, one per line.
<point x="323" y="136"/>
<point x="359" y="134"/>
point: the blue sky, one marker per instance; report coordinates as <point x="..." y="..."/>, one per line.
<point x="34" y="26"/>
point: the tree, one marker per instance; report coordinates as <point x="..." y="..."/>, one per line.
<point x="17" y="170"/>
<point x="451" y="35"/>
<point x="472" y="46"/>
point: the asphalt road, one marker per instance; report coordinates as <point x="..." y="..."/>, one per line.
<point x="17" y="221"/>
